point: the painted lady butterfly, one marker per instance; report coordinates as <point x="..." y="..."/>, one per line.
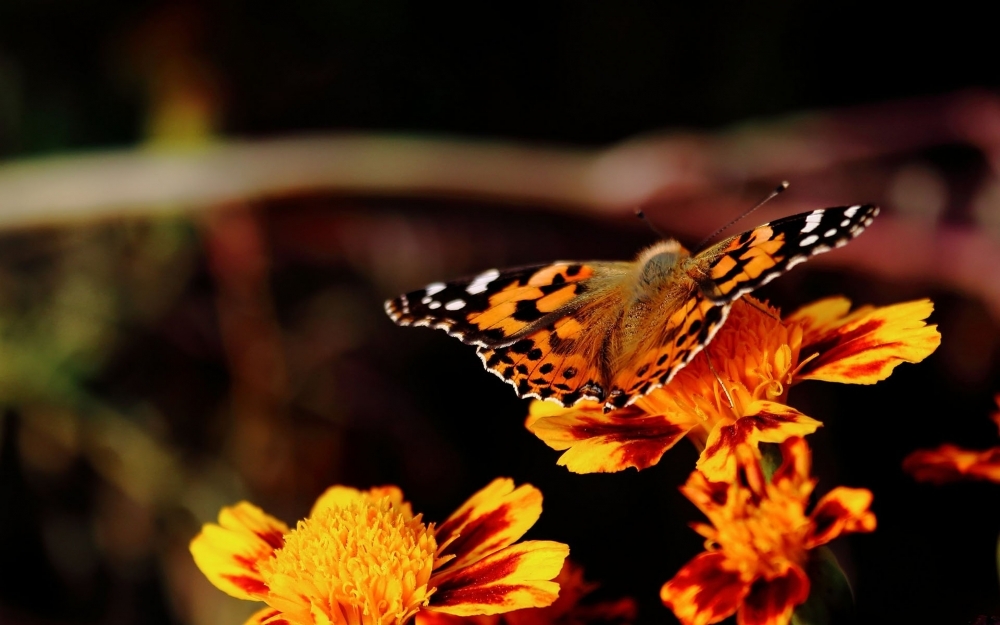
<point x="614" y="331"/>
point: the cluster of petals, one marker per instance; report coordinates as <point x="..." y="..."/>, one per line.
<point x="949" y="463"/>
<point x="571" y="608"/>
<point x="739" y="396"/>
<point x="364" y="558"/>
<point x="759" y="539"/>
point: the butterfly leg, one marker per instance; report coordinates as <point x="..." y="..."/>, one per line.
<point x="718" y="379"/>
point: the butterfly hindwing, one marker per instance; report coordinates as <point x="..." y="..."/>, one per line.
<point x="685" y="331"/>
<point x="747" y="261"/>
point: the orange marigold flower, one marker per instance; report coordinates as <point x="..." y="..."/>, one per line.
<point x="949" y="463"/>
<point x="756" y="356"/>
<point x="364" y="558"/>
<point x="568" y="609"/>
<point x="759" y="539"/>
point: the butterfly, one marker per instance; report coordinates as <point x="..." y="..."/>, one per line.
<point x="614" y="331"/>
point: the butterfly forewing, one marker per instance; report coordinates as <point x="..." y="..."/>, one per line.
<point x="747" y="261"/>
<point x="534" y="325"/>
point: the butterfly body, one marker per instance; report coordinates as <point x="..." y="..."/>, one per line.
<point x="614" y="331"/>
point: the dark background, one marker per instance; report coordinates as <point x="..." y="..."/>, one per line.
<point x="183" y="318"/>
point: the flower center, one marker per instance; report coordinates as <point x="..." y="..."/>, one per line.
<point x="363" y="563"/>
<point x="763" y="538"/>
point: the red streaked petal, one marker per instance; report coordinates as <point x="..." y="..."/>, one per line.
<point x="490" y="520"/>
<point x="429" y="616"/>
<point x="267" y="616"/>
<point x="840" y="511"/>
<point x="704" y="591"/>
<point x="865" y="346"/>
<point x="765" y="422"/>
<point x="949" y="463"/>
<point x="601" y="443"/>
<point x="519" y="576"/>
<point x="771" y="602"/>
<point x="229" y="553"/>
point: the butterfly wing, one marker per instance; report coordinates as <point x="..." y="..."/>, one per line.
<point x="746" y="261"/>
<point x="538" y="328"/>
<point x="723" y="273"/>
<point x="690" y="323"/>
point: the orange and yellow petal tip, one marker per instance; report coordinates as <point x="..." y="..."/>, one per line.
<point x="863" y="347"/>
<point x="765" y="422"/>
<point x="493" y="518"/>
<point x="519" y="576"/>
<point x="595" y="442"/>
<point x="950" y="463"/>
<point x="230" y="552"/>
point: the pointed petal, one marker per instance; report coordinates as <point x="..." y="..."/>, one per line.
<point x="229" y="553"/>
<point x="771" y="602"/>
<point x="765" y="422"/>
<point x="519" y="576"/>
<point x="704" y="591"/>
<point x="338" y="496"/>
<point x="865" y="346"/>
<point x="949" y="463"/>
<point x="492" y="519"/>
<point x="267" y="616"/>
<point x="840" y="511"/>
<point x="603" y="443"/>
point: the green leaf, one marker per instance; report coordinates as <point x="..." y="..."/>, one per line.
<point x="831" y="601"/>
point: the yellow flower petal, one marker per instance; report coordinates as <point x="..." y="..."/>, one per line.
<point x="490" y="520"/>
<point x="764" y="422"/>
<point x="949" y="463"/>
<point x="510" y="579"/>
<point x="267" y="616"/>
<point x="865" y="346"/>
<point x="229" y="553"/>
<point x="601" y="443"/>
<point x="841" y="510"/>
<point x="705" y="591"/>
<point x="340" y="496"/>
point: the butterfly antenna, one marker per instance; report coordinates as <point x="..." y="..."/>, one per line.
<point x="641" y="215"/>
<point x="777" y="191"/>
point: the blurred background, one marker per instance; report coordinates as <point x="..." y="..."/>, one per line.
<point x="204" y="204"/>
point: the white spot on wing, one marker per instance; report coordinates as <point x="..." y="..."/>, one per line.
<point x="482" y="281"/>
<point x="850" y="211"/>
<point x="434" y="288"/>
<point x="845" y="223"/>
<point x="830" y="232"/>
<point x="809" y="240"/>
<point x="434" y="305"/>
<point x="455" y="304"/>
<point x="812" y="221"/>
<point x="426" y="299"/>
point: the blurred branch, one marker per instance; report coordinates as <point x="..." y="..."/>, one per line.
<point x="145" y="181"/>
<point x="851" y="154"/>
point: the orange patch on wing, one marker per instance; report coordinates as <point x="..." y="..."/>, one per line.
<point x="866" y="345"/>
<point x="547" y="275"/>
<point x="704" y="591"/>
<point x="567" y="328"/>
<point x="597" y="442"/>
<point x="553" y="301"/>
<point x="519" y="576"/>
